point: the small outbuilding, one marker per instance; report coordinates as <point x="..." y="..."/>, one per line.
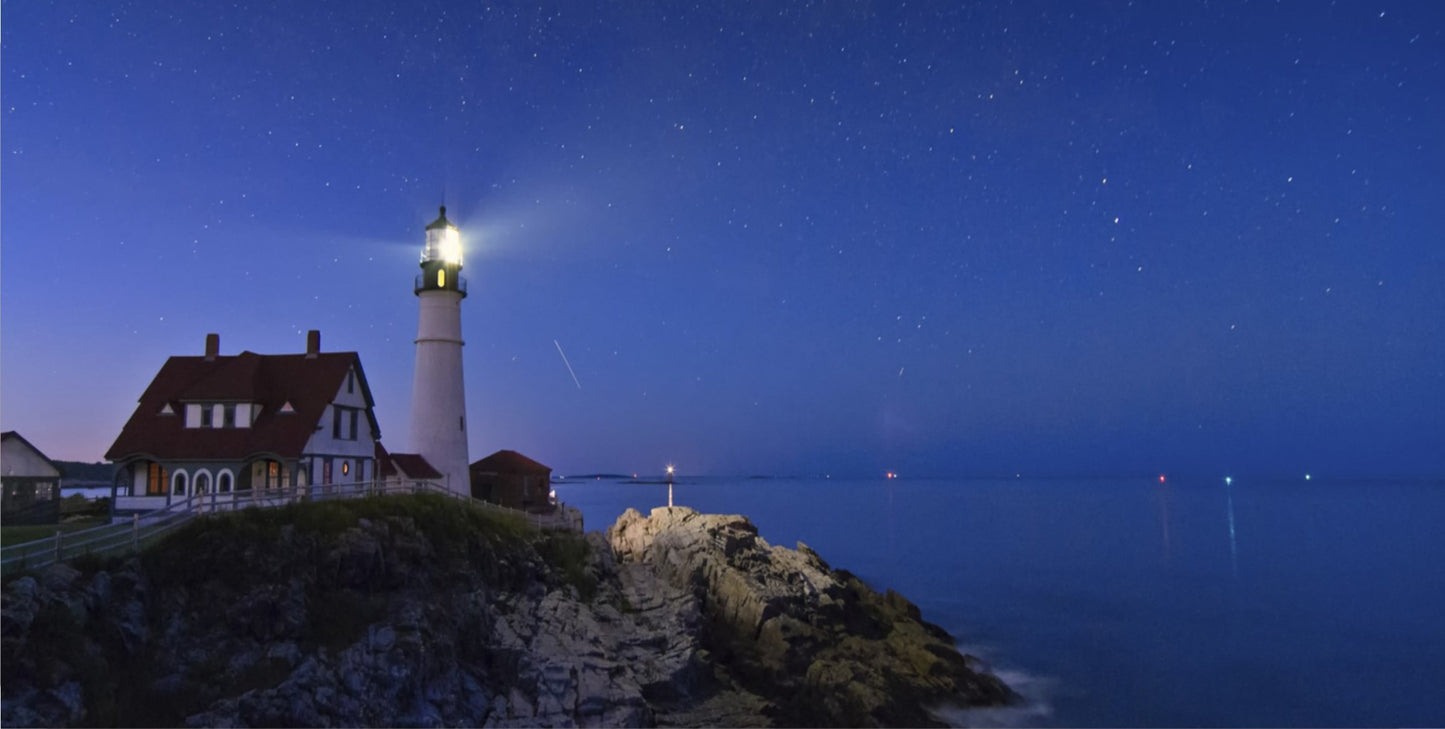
<point x="31" y="483"/>
<point x="510" y="479"/>
<point x="396" y="468"/>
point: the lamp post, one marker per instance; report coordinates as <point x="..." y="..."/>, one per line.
<point x="669" y="485"/>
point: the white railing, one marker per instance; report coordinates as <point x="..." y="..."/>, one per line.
<point x="142" y="528"/>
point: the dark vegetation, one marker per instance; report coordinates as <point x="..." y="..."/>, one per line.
<point x="82" y="472"/>
<point x="312" y="574"/>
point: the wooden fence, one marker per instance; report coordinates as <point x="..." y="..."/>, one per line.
<point x="145" y="528"/>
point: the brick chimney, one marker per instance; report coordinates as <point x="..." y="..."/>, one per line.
<point x="313" y="343"/>
<point x="213" y="346"/>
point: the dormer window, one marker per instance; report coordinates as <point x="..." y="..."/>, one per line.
<point x="217" y="415"/>
<point x="350" y="381"/>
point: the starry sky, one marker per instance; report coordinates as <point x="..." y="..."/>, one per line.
<point x="940" y="238"/>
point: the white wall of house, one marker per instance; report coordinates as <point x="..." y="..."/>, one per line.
<point x="324" y="443"/>
<point x="18" y="460"/>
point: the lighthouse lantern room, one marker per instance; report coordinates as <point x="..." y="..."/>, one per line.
<point x="438" y="393"/>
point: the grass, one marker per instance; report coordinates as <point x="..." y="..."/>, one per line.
<point x="251" y="537"/>
<point x="20" y="533"/>
<point x="568" y="552"/>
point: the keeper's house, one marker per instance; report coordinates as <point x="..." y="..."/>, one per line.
<point x="217" y="428"/>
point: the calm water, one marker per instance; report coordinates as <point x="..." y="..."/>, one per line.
<point x="1131" y="603"/>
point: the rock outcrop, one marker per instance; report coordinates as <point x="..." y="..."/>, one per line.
<point x="411" y="612"/>
<point x="817" y="643"/>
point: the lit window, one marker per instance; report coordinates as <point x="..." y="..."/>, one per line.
<point x="441" y="278"/>
<point x="156" y="480"/>
<point x="345" y="468"/>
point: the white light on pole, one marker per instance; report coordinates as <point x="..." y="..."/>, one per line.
<point x="669" y="485"/>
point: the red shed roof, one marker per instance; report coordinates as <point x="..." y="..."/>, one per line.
<point x="508" y="462"/>
<point x="414" y="466"/>
<point x="308" y="383"/>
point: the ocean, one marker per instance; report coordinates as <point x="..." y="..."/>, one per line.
<point x="1118" y="602"/>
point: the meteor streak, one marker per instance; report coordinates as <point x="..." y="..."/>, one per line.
<point x="569" y="364"/>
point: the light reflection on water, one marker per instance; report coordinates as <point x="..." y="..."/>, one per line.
<point x="1134" y="603"/>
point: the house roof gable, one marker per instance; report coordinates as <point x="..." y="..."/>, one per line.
<point x="16" y="437"/>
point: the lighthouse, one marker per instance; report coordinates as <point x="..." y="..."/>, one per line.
<point x="438" y="393"/>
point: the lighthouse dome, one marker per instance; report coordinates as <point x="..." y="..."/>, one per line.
<point x="441" y="221"/>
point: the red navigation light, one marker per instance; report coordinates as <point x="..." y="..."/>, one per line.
<point x="1161" y="478"/>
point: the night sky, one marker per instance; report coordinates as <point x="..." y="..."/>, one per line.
<point x="946" y="239"/>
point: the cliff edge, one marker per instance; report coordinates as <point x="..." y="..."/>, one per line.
<point x="407" y="611"/>
<point x="816" y="643"/>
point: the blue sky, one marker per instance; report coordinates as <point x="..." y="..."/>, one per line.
<point x="941" y="239"/>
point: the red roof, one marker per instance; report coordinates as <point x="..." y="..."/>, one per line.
<point x="271" y="380"/>
<point x="508" y="462"/>
<point x="412" y="465"/>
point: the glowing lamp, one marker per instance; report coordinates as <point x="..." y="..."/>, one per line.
<point x="451" y="247"/>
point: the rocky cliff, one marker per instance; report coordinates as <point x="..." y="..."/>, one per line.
<point x="407" y="611"/>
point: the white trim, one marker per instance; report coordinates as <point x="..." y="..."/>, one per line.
<point x="210" y="480"/>
<point x="230" y="476"/>
<point x="177" y="475"/>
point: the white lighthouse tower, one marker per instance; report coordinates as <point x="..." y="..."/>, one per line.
<point x="438" y="394"/>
